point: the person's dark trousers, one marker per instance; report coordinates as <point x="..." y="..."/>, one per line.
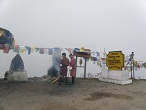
<point x="66" y="82"/>
<point x="73" y="80"/>
<point x="62" y="79"/>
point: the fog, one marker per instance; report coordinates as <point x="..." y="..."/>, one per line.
<point x="94" y="24"/>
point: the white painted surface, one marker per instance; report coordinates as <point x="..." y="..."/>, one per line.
<point x="116" y="81"/>
<point x="116" y="77"/>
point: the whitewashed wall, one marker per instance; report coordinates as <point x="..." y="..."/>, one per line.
<point x="37" y="64"/>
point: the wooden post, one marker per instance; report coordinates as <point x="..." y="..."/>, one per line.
<point x="76" y="60"/>
<point x="85" y="68"/>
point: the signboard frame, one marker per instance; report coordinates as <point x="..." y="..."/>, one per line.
<point x="115" y="60"/>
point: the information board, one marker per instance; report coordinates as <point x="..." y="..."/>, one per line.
<point x="115" y="60"/>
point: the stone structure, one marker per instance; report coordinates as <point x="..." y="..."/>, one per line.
<point x="117" y="77"/>
<point x="17" y="71"/>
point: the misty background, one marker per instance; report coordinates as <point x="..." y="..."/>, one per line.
<point x="94" y="24"/>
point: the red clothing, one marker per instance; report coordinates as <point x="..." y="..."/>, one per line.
<point x="73" y="65"/>
<point x="65" y="63"/>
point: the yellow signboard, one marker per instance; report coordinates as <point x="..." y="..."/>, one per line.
<point x="115" y="60"/>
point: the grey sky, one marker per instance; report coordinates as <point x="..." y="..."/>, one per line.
<point x="94" y="24"/>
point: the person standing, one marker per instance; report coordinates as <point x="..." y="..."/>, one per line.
<point x="72" y="68"/>
<point x="64" y="63"/>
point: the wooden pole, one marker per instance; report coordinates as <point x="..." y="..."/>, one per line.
<point x="85" y="68"/>
<point x="76" y="59"/>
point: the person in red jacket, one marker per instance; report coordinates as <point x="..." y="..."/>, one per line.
<point x="72" y="67"/>
<point x="64" y="63"/>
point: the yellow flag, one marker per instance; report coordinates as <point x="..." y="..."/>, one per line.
<point x="1" y="32"/>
